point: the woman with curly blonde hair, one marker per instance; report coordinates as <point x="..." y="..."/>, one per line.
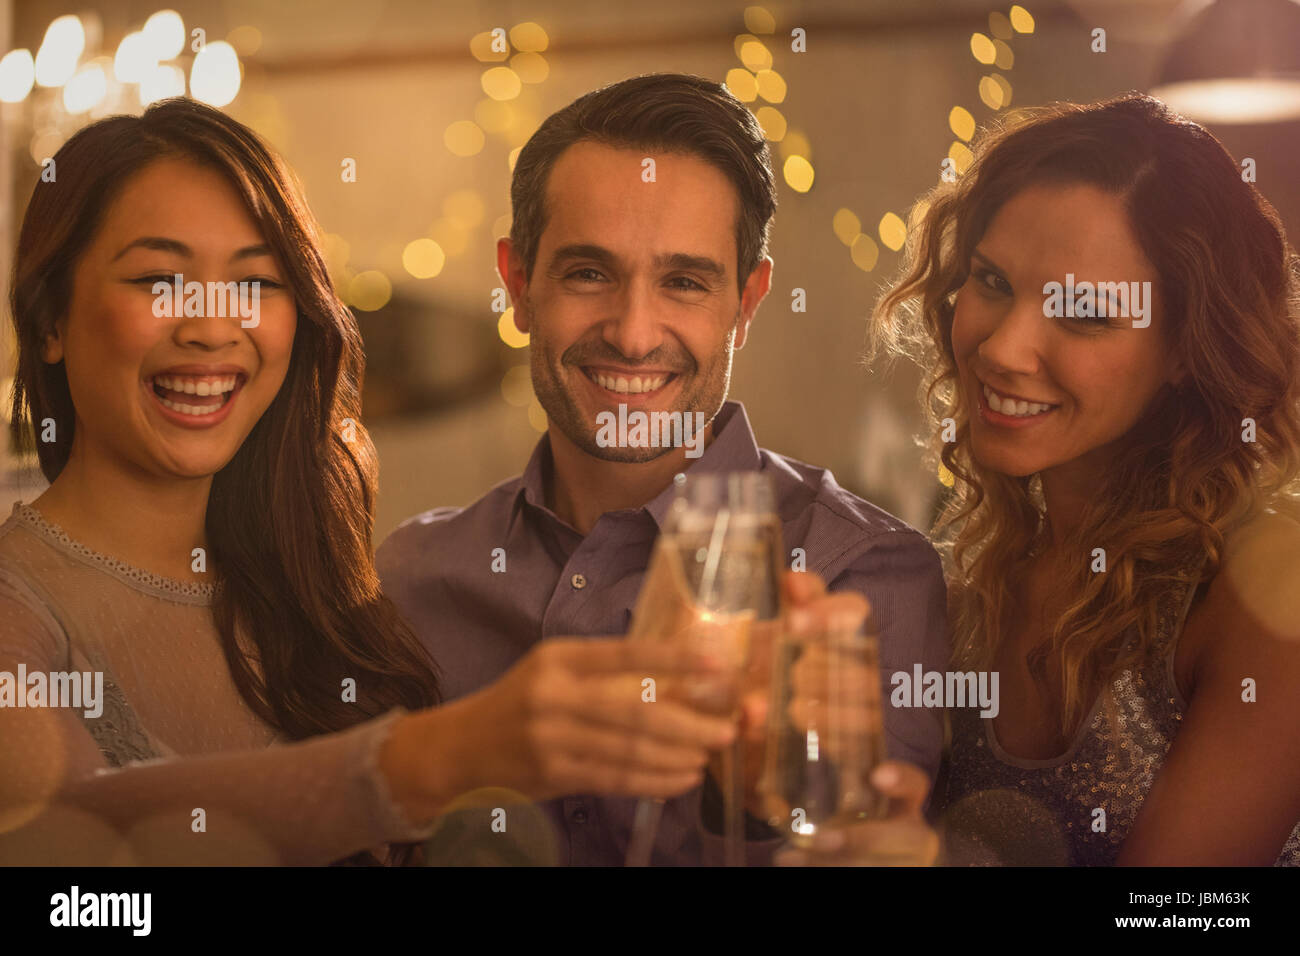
<point x="1108" y="316"/>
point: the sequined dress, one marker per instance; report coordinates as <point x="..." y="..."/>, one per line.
<point x="1005" y="810"/>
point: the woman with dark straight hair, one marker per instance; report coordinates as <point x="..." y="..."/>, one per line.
<point x="200" y="568"/>
<point x="1108" y="316"/>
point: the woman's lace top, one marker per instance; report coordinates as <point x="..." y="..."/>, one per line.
<point x="168" y="764"/>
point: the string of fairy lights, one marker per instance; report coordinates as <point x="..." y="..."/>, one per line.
<point x="992" y="49"/>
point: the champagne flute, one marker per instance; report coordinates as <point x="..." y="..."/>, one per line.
<point x="714" y="572"/>
<point x="825" y="733"/>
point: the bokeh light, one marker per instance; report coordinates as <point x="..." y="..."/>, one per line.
<point x="509" y="334"/>
<point x="961" y="156"/>
<point x="494" y="116"/>
<point x="246" y="40"/>
<point x="481" y="46"/>
<point x="369" y="291"/>
<point x="995" y="91"/>
<point x="501" y="83"/>
<point x="214" y="77"/>
<point x="795" y="143"/>
<point x="423" y="258"/>
<point x="772" y="121"/>
<point x="85" y="90"/>
<point x="17" y="75"/>
<point x="742" y="84"/>
<point x="1005" y="59"/>
<point x="961" y="123"/>
<point x="163" y="80"/>
<point x="517" y="386"/>
<point x="464" y="138"/>
<point x="846" y="226"/>
<point x="164" y="32"/>
<point x="528" y="37"/>
<point x="981" y="47"/>
<point x="537" y="415"/>
<point x="759" y="20"/>
<point x="864" y="252"/>
<point x="771" y="86"/>
<point x="798" y="173"/>
<point x="530" y="67"/>
<point x="56" y="60"/>
<point x="133" y="60"/>
<point x="1021" y="20"/>
<point x="892" y="231"/>
<point x="755" y="55"/>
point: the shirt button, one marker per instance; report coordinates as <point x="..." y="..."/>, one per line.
<point x="578" y="581"/>
<point x="580" y="815"/>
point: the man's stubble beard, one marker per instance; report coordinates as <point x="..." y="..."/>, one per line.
<point x="562" y="410"/>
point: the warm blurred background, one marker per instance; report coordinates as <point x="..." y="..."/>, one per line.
<point x="433" y="99"/>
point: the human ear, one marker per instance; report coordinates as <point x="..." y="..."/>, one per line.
<point x="755" y="290"/>
<point x="52" y="347"/>
<point x="511" y="269"/>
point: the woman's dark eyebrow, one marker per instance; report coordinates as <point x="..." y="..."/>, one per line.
<point x="976" y="254"/>
<point x="163" y="244"/>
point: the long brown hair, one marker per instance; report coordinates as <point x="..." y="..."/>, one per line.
<point x="1185" y="478"/>
<point x="290" y="517"/>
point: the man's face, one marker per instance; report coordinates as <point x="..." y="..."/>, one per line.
<point x="634" y="297"/>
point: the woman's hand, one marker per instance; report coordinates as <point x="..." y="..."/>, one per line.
<point x="809" y="608"/>
<point x="902" y="838"/>
<point x="570" y="717"/>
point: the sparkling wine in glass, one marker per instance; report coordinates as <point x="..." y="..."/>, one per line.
<point x="713" y="573"/>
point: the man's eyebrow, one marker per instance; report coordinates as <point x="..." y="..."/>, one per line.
<point x="681" y="260"/>
<point x="582" y="250"/>
<point x="163" y="244"/>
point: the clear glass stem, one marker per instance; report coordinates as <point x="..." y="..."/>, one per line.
<point x="645" y="827"/>
<point x="733" y="810"/>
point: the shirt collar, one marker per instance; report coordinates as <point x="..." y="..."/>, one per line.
<point x="733" y="448"/>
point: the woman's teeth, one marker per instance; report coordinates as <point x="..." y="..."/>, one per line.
<point x="1013" y="407"/>
<point x="629" y="386"/>
<point x="216" y="388"/>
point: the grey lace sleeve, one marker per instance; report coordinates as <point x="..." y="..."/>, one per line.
<point x="307" y="802"/>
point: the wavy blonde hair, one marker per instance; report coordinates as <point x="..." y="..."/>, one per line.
<point x="1184" y="477"/>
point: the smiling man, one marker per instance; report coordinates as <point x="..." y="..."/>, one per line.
<point x="636" y="263"/>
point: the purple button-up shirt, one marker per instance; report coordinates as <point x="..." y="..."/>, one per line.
<point x="477" y="621"/>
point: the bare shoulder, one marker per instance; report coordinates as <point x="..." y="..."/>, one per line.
<point x="1250" y="616"/>
<point x="1261" y="569"/>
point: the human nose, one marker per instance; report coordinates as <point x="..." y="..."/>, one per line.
<point x="1014" y="342"/>
<point x="635" y="330"/>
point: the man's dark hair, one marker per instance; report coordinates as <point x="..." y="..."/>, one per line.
<point x="671" y="112"/>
